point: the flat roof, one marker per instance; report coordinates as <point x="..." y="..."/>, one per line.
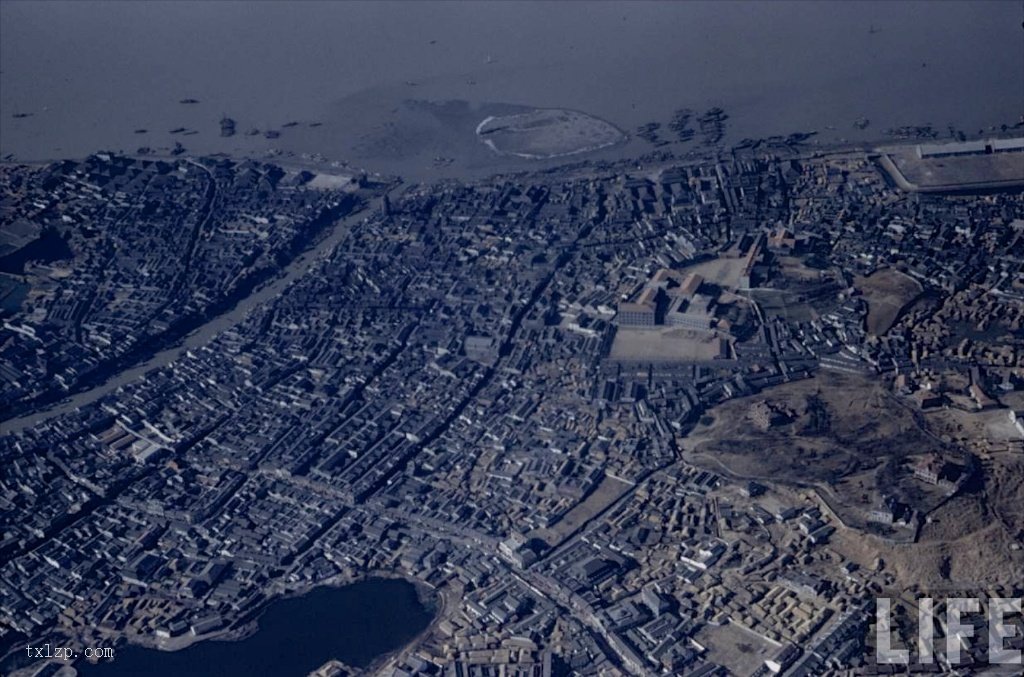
<point x="978" y="146"/>
<point x="955" y="172"/>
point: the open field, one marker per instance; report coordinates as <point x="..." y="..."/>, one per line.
<point x="793" y="267"/>
<point x="851" y="440"/>
<point x="995" y="171"/>
<point x="738" y="649"/>
<point x="723" y="272"/>
<point x="16" y="234"/>
<point x="974" y="539"/>
<point x="980" y="432"/>
<point x="973" y="560"/>
<point x="845" y="438"/>
<point x="332" y="181"/>
<point x="785" y="304"/>
<point x="606" y="493"/>
<point x="887" y="292"/>
<point x="843" y="423"/>
<point x="666" y="345"/>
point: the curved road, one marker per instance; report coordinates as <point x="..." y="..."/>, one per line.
<point x="300" y="265"/>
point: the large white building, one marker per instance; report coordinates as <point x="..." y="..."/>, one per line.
<point x="979" y="147"/>
<point x="682" y="304"/>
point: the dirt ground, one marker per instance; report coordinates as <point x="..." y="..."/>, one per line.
<point x="738" y="649"/>
<point x="666" y="345"/>
<point x="977" y="560"/>
<point x="606" y="493"/>
<point x="850" y="439"/>
<point x="981" y="432"/>
<point x="887" y="293"/>
<point x="785" y="304"/>
<point x="842" y="425"/>
<point x="725" y="273"/>
<point x="974" y="540"/>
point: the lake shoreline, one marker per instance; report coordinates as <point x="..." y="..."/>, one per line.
<point x="250" y="625"/>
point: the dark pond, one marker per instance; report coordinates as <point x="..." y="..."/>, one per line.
<point x="355" y="624"/>
<point x="49" y="246"/>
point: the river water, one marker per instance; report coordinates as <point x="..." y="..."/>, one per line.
<point x="399" y="87"/>
<point x="90" y="74"/>
<point x="355" y="624"/>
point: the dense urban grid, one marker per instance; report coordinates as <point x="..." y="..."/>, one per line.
<point x="670" y="416"/>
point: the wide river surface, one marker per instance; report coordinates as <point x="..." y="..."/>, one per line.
<point x="355" y="624"/>
<point x="83" y="76"/>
